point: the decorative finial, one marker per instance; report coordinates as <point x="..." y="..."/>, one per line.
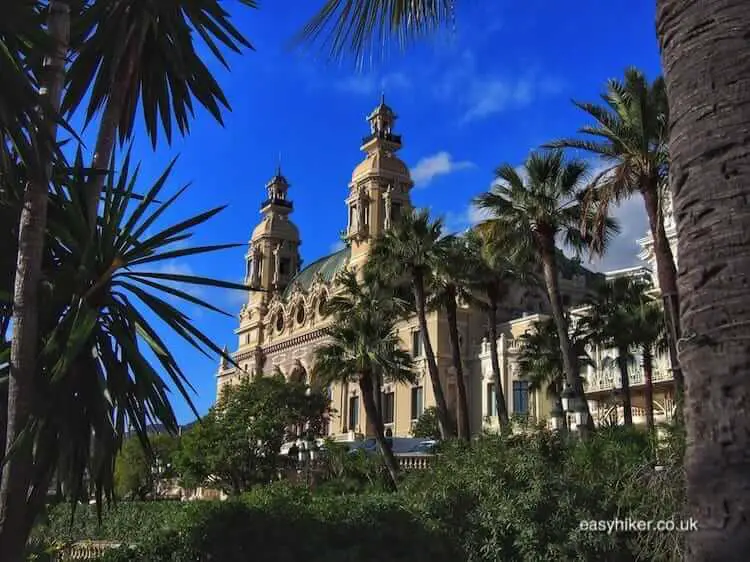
<point x="278" y="165"/>
<point x="382" y="97"/>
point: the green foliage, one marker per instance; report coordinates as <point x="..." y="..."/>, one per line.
<point x="350" y="473"/>
<point x="136" y="470"/>
<point x="427" y="425"/>
<point x="103" y="362"/>
<point x="518" y="498"/>
<point x="236" y="445"/>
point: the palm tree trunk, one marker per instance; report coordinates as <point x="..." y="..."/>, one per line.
<point x="648" y="378"/>
<point x="627" y="405"/>
<point x="707" y="74"/>
<point x="500" y="404"/>
<point x="572" y="376"/>
<point x="667" y="276"/>
<point x="372" y="413"/>
<point x="444" y="418"/>
<point x="464" y="429"/>
<point x="105" y="140"/>
<point x="14" y="489"/>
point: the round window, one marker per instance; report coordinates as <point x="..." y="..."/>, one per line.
<point x="279" y="321"/>
<point x="300" y="314"/>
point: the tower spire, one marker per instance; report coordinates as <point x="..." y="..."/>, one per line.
<point x="278" y="165"/>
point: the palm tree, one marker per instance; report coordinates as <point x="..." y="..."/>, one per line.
<point x="95" y="374"/>
<point x="705" y="70"/>
<point x="364" y="347"/>
<point x="414" y="247"/>
<point x="16" y="475"/>
<point x="491" y="272"/>
<point x="651" y="336"/>
<point x="630" y="134"/>
<point x="540" y="361"/>
<point x="447" y="285"/>
<point x="535" y="208"/>
<point x="610" y="324"/>
<point x="133" y="52"/>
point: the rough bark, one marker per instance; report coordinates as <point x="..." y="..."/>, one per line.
<point x="444" y="419"/>
<point x="464" y="428"/>
<point x="16" y="477"/>
<point x="707" y="72"/>
<point x="500" y="403"/>
<point x="627" y="406"/>
<point x="667" y="276"/>
<point x="648" y="380"/>
<point x="373" y="413"/>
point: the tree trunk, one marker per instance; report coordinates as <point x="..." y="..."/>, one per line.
<point x="627" y="406"/>
<point x="707" y="72"/>
<point x="16" y="476"/>
<point x="500" y="404"/>
<point x="667" y="276"/>
<point x="372" y="413"/>
<point x="464" y="428"/>
<point x="106" y="138"/>
<point x="648" y="379"/>
<point x="572" y="376"/>
<point x="444" y="419"/>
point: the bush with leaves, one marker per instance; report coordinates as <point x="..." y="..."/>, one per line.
<point x="427" y="425"/>
<point x="236" y="445"/>
<point x="137" y="469"/>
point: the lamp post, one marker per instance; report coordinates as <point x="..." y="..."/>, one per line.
<point x="556" y="417"/>
<point x="575" y="405"/>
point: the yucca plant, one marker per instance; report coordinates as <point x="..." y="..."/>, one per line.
<point x="96" y="377"/>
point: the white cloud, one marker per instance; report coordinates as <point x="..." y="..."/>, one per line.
<point x="492" y="95"/>
<point x="372" y="84"/>
<point x="439" y="164"/>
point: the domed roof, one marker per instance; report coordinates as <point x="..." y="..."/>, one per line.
<point x="278" y="226"/>
<point x="327" y="267"/>
<point x="379" y="162"/>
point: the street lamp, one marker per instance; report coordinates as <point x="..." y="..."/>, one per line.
<point x="566" y="397"/>
<point x="556" y="417"/>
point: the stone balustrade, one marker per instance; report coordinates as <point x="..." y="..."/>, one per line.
<point x="86" y="550"/>
<point x="609" y="379"/>
<point x="408" y="462"/>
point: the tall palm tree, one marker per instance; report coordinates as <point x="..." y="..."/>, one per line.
<point x="364" y="347"/>
<point x="491" y="271"/>
<point x="131" y="53"/>
<point x="98" y="354"/>
<point x="540" y="361"/>
<point x="414" y="247"/>
<point x="610" y="324"/>
<point x="16" y="475"/>
<point x="651" y="336"/>
<point x="448" y="284"/>
<point x="706" y="70"/>
<point x="629" y="135"/>
<point x="535" y="208"/>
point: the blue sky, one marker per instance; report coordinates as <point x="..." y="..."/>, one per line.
<point x="469" y="100"/>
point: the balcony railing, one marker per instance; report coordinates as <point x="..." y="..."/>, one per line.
<point x="384" y="136"/>
<point x="278" y="202"/>
<point x="87" y="550"/>
<point x="609" y="379"/>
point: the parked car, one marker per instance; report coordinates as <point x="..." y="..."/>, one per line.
<point x="426" y="447"/>
<point x="399" y="445"/>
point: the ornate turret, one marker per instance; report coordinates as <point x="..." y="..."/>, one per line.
<point x="272" y="259"/>
<point x="379" y="190"/>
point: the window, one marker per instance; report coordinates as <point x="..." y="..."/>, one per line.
<point x="353" y="413"/>
<point x="247" y="338"/>
<point x="322" y="306"/>
<point x="491" y="405"/>
<point x="417" y="345"/>
<point x="417" y="402"/>
<point x="300" y="314"/>
<point x="279" y="321"/>
<point x="284" y="266"/>
<point x="387" y="406"/>
<point x="520" y="397"/>
<point x="395" y="212"/>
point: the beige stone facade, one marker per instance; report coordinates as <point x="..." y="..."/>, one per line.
<point x="281" y="327"/>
